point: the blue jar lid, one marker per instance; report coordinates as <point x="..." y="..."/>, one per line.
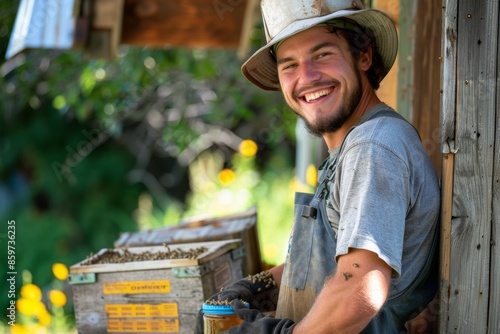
<point x="219" y="309"/>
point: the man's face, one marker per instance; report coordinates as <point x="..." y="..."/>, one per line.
<point x="319" y="78"/>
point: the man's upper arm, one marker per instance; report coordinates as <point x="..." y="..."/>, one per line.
<point x="352" y="297"/>
<point x="366" y="269"/>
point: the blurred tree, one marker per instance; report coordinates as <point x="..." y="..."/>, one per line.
<point x="81" y="139"/>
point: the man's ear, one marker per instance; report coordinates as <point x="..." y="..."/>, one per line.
<point x="365" y="59"/>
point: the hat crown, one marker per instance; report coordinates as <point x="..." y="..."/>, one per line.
<point x="278" y="14"/>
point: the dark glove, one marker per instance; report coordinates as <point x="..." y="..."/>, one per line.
<point x="259" y="290"/>
<point x="256" y="322"/>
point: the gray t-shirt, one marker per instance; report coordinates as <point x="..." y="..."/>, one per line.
<point x="385" y="195"/>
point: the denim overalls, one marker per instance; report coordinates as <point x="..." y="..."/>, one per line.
<point x="311" y="259"/>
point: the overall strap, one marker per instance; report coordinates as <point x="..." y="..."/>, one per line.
<point x="322" y="189"/>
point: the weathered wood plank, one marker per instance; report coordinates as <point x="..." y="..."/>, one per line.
<point x="448" y="108"/>
<point x="449" y="74"/>
<point x="494" y="307"/>
<point x="477" y="27"/>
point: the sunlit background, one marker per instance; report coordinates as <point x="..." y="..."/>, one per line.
<point x="91" y="148"/>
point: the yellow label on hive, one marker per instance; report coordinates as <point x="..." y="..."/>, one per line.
<point x="113" y="288"/>
<point x="142" y="310"/>
<point x="143" y="326"/>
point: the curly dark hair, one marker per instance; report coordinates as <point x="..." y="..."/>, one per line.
<point x="360" y="40"/>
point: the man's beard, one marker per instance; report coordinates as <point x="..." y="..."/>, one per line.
<point x="335" y="120"/>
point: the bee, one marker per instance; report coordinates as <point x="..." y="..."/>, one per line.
<point x="346" y="276"/>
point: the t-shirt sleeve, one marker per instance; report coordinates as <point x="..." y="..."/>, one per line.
<point x="372" y="202"/>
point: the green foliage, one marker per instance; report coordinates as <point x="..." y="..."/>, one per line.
<point x="92" y="148"/>
<point x="61" y="217"/>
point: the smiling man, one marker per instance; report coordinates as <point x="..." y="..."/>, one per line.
<point x="362" y="251"/>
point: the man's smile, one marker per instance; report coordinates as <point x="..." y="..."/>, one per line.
<point x="312" y="97"/>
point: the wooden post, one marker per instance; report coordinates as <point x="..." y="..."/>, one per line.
<point x="406" y="48"/>
<point x="426" y="74"/>
<point x="448" y="107"/>
<point x="388" y="91"/>
<point x="494" y="304"/>
<point x="418" y="86"/>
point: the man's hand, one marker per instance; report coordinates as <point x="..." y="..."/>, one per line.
<point x="256" y="322"/>
<point x="259" y="290"/>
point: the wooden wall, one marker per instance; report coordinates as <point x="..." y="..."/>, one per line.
<point x="418" y="87"/>
<point x="470" y="290"/>
<point x="412" y="86"/>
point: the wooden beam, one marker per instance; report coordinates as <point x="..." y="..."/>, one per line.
<point x="448" y="112"/>
<point x="187" y="23"/>
<point x="105" y="28"/>
<point x="252" y="15"/>
<point x="446" y="210"/>
<point x="388" y="91"/>
<point x="426" y="77"/>
<point x="494" y="305"/>
<point x="406" y="49"/>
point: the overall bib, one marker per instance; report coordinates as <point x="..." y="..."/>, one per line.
<point x="311" y="259"/>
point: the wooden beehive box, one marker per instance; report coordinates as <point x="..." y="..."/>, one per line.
<point x="237" y="226"/>
<point x="150" y="296"/>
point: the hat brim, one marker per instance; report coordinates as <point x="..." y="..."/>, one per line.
<point x="261" y="70"/>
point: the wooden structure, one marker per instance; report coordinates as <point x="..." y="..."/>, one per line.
<point x="99" y="26"/>
<point x="151" y="296"/>
<point x="470" y="270"/>
<point x="241" y="226"/>
<point x="448" y="88"/>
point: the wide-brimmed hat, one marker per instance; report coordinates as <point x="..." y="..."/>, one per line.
<point x="285" y="18"/>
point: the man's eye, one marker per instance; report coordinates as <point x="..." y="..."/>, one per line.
<point x="289" y="66"/>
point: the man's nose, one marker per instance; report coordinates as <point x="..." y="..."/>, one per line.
<point x="308" y="72"/>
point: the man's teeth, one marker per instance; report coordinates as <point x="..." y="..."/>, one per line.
<point x="316" y="95"/>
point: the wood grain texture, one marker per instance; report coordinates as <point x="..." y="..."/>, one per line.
<point x="466" y="298"/>
<point x="200" y="23"/>
<point x="448" y="113"/>
<point x="426" y="78"/>
<point x="494" y="302"/>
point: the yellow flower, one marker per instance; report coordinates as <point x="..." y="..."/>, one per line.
<point x="25" y="306"/>
<point x="58" y="298"/>
<point x="226" y="176"/>
<point x="311" y="175"/>
<point x="30" y="306"/>
<point x="31" y="291"/>
<point x="44" y="318"/>
<point x="19" y="329"/>
<point x="248" y="148"/>
<point x="60" y="271"/>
